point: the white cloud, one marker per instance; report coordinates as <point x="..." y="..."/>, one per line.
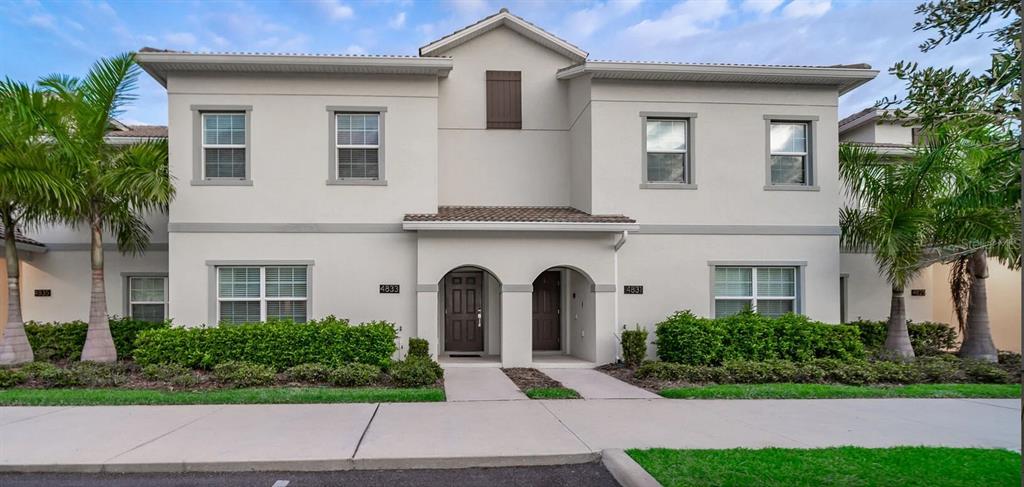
<point x="470" y="8"/>
<point x="583" y="23"/>
<point x="684" y="19"/>
<point x="180" y="39"/>
<point x="355" y="49"/>
<point x="336" y="10"/>
<point x="760" y="6"/>
<point x="42" y="20"/>
<point x="806" y="8"/>
<point x="398" y="21"/>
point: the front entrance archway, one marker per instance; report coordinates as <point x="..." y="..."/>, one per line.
<point x="564" y="317"/>
<point x="547" y="311"/>
<point x="469" y="314"/>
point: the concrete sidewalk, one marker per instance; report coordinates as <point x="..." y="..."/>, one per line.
<point x="478" y="433"/>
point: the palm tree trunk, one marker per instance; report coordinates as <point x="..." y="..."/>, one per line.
<point x="978" y="343"/>
<point x="897" y="339"/>
<point x="99" y="344"/>
<point x="14" y="345"/>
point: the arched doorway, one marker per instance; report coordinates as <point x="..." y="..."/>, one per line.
<point x="469" y="314"/>
<point x="563" y="317"/>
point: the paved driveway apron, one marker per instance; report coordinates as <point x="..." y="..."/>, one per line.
<point x="479" y="384"/>
<point x="592" y="384"/>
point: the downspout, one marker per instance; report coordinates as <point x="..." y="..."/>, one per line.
<point x="615" y="257"/>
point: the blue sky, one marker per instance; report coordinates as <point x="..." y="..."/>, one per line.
<point x="42" y="37"/>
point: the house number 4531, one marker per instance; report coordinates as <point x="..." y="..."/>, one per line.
<point x="389" y="288"/>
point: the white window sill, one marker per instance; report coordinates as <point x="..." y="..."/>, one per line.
<point x="222" y="182"/>
<point x="790" y="187"/>
<point x="667" y="186"/>
<point x="357" y="182"/>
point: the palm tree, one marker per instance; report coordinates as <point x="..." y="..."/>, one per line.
<point x="978" y="219"/>
<point x="115" y="186"/>
<point x="32" y="186"/>
<point x="894" y="219"/>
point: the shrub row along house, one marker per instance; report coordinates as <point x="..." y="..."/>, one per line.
<point x="500" y="195"/>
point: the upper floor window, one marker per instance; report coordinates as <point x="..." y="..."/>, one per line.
<point x="770" y="291"/>
<point x="249" y="294"/>
<point x="789" y="153"/>
<point x="224" y="145"/>
<point x="147" y="298"/>
<point x="504" y="100"/>
<point x="667" y="156"/>
<point x="358" y="145"/>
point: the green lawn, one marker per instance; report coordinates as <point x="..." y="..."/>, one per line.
<point x="846" y="466"/>
<point x="552" y="393"/>
<point x="833" y="391"/>
<point x="282" y="395"/>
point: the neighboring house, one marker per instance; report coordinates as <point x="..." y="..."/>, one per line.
<point x="500" y="195"/>
<point x="866" y="294"/>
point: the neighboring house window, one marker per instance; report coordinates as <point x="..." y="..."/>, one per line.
<point x="358" y="145"/>
<point x="224" y="146"/>
<point x="504" y="100"/>
<point x="790" y="153"/>
<point x="147" y="298"/>
<point x="770" y="291"/>
<point x="247" y="294"/>
<point x="667" y="155"/>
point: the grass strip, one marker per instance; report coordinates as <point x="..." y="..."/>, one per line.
<point x="845" y="466"/>
<point x="275" y="395"/>
<point x="836" y="391"/>
<point x="552" y="393"/>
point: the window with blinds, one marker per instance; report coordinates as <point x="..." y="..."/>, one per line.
<point x="249" y="294"/>
<point x="790" y="153"/>
<point x="770" y="291"/>
<point x="224" y="146"/>
<point x="147" y="298"/>
<point x="666" y="150"/>
<point x="358" y="145"/>
<point x="504" y="100"/>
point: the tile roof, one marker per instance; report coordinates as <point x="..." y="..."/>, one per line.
<point x="156" y="131"/>
<point x="514" y="214"/>
<point x="19" y="238"/>
<point x="741" y="65"/>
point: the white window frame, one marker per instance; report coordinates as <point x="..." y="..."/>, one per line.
<point x="810" y="123"/>
<point x="263" y="299"/>
<point x="798" y="284"/>
<point x="204" y="145"/>
<point x="199" y="177"/>
<point x="128" y="293"/>
<point x="689" y="168"/>
<point x="333" y="113"/>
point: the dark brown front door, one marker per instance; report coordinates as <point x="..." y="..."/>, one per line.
<point x="547" y="330"/>
<point x="464" y="307"/>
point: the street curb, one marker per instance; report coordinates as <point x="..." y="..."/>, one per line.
<point x="311" y="465"/>
<point x="626" y="471"/>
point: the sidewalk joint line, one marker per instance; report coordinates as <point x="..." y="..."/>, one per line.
<point x="36" y="416"/>
<point x="367" y="428"/>
<point x="177" y="428"/>
<point x="545" y="406"/>
<point x="975" y="401"/>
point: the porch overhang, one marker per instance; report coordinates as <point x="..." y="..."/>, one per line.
<point x="520" y="226"/>
<point x="517" y="218"/>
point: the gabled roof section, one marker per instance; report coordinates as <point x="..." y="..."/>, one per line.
<point x="159" y="62"/>
<point x="869" y="115"/>
<point x="843" y="76"/>
<point x="504" y="18"/>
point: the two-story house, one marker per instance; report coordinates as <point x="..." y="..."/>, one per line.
<point x="500" y="195"/>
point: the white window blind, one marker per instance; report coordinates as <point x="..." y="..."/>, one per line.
<point x="248" y="294"/>
<point x="667" y="153"/>
<point x="771" y="291"/>
<point x="147" y="298"/>
<point x="358" y="145"/>
<point x="224" y="145"/>
<point x="789" y="154"/>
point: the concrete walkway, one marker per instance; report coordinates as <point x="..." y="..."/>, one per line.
<point x="592" y="384"/>
<point x="481" y="433"/>
<point x="479" y="384"/>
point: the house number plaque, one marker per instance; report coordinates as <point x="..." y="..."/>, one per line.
<point x="389" y="288"/>
<point x="43" y="293"/>
<point x="632" y="289"/>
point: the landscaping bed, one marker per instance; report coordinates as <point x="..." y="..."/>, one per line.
<point x="846" y="466"/>
<point x="254" y="395"/>
<point x="840" y="391"/>
<point x="537" y="385"/>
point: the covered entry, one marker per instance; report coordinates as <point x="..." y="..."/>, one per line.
<point x="564" y="319"/>
<point x="469" y="304"/>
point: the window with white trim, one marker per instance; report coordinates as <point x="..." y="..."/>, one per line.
<point x="358" y="145"/>
<point x="667" y="153"/>
<point x="224" y="146"/>
<point x="147" y="298"/>
<point x="770" y="291"/>
<point x="790" y="154"/>
<point x="248" y="294"/>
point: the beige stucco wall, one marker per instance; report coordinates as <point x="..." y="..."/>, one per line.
<point x="869" y="295"/>
<point x="1004" y="294"/>
<point x="729" y="153"/>
<point x="503" y="167"/>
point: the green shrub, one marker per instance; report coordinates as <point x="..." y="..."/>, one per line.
<point x="354" y="375"/>
<point x="896" y="372"/>
<point x="634" y="346"/>
<point x="64" y="341"/>
<point x="11" y="377"/>
<point x="939" y="369"/>
<point x="678" y="372"/>
<point x="419" y="347"/>
<point x="315" y="373"/>
<point x="243" y="374"/>
<point x="415" y="372"/>
<point x="49" y="375"/>
<point x="280" y="345"/>
<point x="94" y="374"/>
<point x="984" y="372"/>
<point x="688" y="339"/>
<point x="927" y="338"/>
<point x="174" y="374"/>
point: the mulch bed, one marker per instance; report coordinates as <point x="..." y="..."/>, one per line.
<point x="526" y="378"/>
<point x="626" y="374"/>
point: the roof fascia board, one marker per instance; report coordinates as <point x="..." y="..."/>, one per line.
<point x="515" y="23"/>
<point x="521" y="226"/>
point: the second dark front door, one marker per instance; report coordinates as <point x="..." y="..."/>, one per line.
<point x="547" y="319"/>
<point x="464" y="307"/>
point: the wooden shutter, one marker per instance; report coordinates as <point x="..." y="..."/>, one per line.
<point x="504" y="100"/>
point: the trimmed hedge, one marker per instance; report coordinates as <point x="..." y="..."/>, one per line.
<point x="280" y="345"/>
<point x="937" y="370"/>
<point x="64" y="341"/>
<point x="688" y="339"/>
<point x="634" y="346"/>
<point x="928" y="338"/>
